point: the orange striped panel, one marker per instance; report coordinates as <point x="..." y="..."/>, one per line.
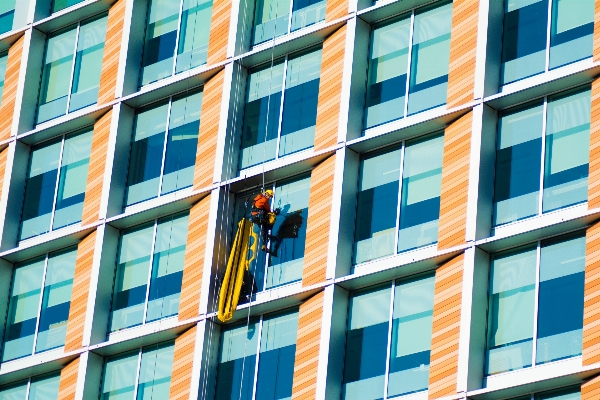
<point x="591" y="389"/>
<point x="307" y="348"/>
<point x="183" y="360"/>
<point x="11" y="81"/>
<point x="594" y="162"/>
<point x="3" y="157"/>
<point x="219" y="31"/>
<point x="446" y="328"/>
<point x="209" y="131"/>
<point x="317" y="226"/>
<point x="335" y="9"/>
<point x="193" y="265"/>
<point x="95" y="177"/>
<point x="68" y="381"/>
<point x="463" y="49"/>
<point x="455" y="183"/>
<point x="330" y="90"/>
<point x="596" y="49"/>
<point x="79" y="293"/>
<point x="112" y="51"/>
<point x="591" y="296"/>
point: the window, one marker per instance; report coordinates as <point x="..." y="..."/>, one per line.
<point x="408" y="65"/>
<point x="398" y="198"/>
<point x="272" y="17"/>
<point x="524" y="150"/>
<point x="263" y="351"/>
<point x="395" y="350"/>
<point x="149" y="272"/>
<point x="3" y="61"/>
<point x="38" y="388"/>
<point x="13" y="14"/>
<point x="39" y="305"/>
<point x="176" y="37"/>
<point x="540" y="35"/>
<point x="163" y="151"/>
<point x="74" y="54"/>
<point x="291" y="197"/>
<point x="58" y="5"/>
<point x="562" y="394"/>
<point x="280" y="114"/>
<point x="145" y="372"/>
<point x="547" y="278"/>
<point x="55" y="184"/>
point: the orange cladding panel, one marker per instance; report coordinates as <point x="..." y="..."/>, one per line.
<point x="80" y="292"/>
<point x="193" y="264"/>
<point x="11" y="81"/>
<point x="330" y="90"/>
<point x="219" y="31"/>
<point x="591" y="389"/>
<point x="455" y="182"/>
<point x="317" y="226"/>
<point x="3" y="157"/>
<point x="446" y="328"/>
<point x="463" y="49"/>
<point x="307" y="348"/>
<point x="596" y="50"/>
<point x="183" y="360"/>
<point x="594" y="160"/>
<point x="335" y="9"/>
<point x="68" y="380"/>
<point x="112" y="51"/>
<point x="591" y="302"/>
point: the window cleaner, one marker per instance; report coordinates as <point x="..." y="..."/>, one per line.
<point x="262" y="216"/>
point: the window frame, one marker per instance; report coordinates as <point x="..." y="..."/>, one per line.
<point x="27" y="383"/>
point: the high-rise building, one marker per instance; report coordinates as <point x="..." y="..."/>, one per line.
<point x="436" y="164"/>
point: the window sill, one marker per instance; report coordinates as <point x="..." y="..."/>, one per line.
<point x="142" y="330"/>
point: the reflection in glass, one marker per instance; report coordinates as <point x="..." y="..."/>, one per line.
<point x="193" y="35"/>
<point x="13" y="14"/>
<point x="58" y="5"/>
<point x="41" y="388"/>
<point x="272" y="17"/>
<point x="572" y="31"/>
<point x="562" y="394"/>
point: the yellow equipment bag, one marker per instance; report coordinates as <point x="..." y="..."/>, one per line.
<point x="239" y="262"/>
<point x="271" y="218"/>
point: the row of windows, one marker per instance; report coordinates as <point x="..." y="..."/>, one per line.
<point x="13" y="13"/>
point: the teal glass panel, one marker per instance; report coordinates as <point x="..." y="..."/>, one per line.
<point x="3" y="60"/>
<point x="56" y="300"/>
<point x="388" y="66"/>
<point x="118" y="381"/>
<point x="572" y="31"/>
<point x="567" y="151"/>
<point x="72" y="179"/>
<point x="13" y="14"/>
<point x="44" y="388"/>
<point x="271" y="19"/>
<point x="518" y="153"/>
<point x="155" y="372"/>
<point x="421" y="188"/>
<point x="562" y="394"/>
<point x="306" y="13"/>
<point x="192" y="49"/>
<point x="88" y="64"/>
<point x="430" y="59"/>
<point x="58" y="5"/>
<point x="14" y="392"/>
<point x="377" y="203"/>
<point x="23" y="309"/>
<point x="511" y="310"/>
<point x="300" y="103"/>
<point x="367" y="344"/>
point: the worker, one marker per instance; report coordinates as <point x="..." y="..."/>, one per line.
<point x="262" y="216"/>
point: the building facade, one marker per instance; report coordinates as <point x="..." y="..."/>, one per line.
<point x="436" y="163"/>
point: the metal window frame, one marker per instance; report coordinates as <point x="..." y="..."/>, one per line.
<point x="40" y="303"/>
<point x="72" y="77"/>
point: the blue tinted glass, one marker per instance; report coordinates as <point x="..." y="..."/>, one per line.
<point x="562" y="394"/>
<point x="44" y="388"/>
<point x="271" y="18"/>
<point x="6" y="20"/>
<point x="572" y="32"/>
<point x="193" y="36"/>
<point x="58" y="5"/>
<point x="307" y="12"/>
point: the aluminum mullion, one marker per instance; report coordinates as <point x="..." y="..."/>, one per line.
<point x="280" y="121"/>
<point x="137" y="374"/>
<point x="536" y="303"/>
<point x="267" y="258"/>
<point x="410" y="46"/>
<point x="175" y="51"/>
<point x="60" y="157"/>
<point x="399" y="202"/>
<point x="73" y="68"/>
<point x="28" y="389"/>
<point x="548" y="35"/>
<point x="543" y="162"/>
<point x="258" y="339"/>
<point x="39" y="310"/>
<point x="389" y="342"/>
<point x="164" y="152"/>
<point x="150" y="272"/>
<point x="289" y="27"/>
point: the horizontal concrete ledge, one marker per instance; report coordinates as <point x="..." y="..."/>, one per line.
<point x="385" y="9"/>
<point x="9" y="38"/>
<point x="36" y="364"/>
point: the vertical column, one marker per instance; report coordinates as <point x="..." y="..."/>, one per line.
<point x="68" y="380"/>
<point x="590" y="390"/>
<point x="445" y="333"/>
<point x="219" y="31"/>
<point x="11" y="83"/>
<point x="594" y="161"/>
<point x="112" y="52"/>
<point x="463" y="52"/>
<point x="184" y="376"/>
<point x="591" y="296"/>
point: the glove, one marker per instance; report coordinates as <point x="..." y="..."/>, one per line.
<point x="277" y="211"/>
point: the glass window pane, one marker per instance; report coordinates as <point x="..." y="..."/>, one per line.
<point x="524" y="39"/>
<point x="270" y="19"/>
<point x="14" y="392"/>
<point x="237" y="362"/>
<point x="118" y="382"/>
<point x="155" y="372"/>
<point x="430" y="59"/>
<point x="44" y="388"/>
<point x="366" y="344"/>
<point x="23" y="310"/>
<point x="261" y="115"/>
<point x="73" y="179"/>
<point x="277" y="356"/>
<point x="7" y="15"/>
<point x="182" y="142"/>
<point x="131" y="279"/>
<point x="146" y="154"/>
<point x="58" y="5"/>
<point x="567" y="151"/>
<point x="511" y="311"/>
<point x="88" y="64"/>
<point x="3" y="60"/>
<point x="300" y="103"/>
<point x="563" y="394"/>
<point x="58" y="64"/>
<point x="161" y="35"/>
<point x="560" y="309"/>
<point x="572" y="33"/>
<point x="167" y="267"/>
<point x="388" y="66"/>
<point x="376" y="210"/>
<point x="40" y="187"/>
<point x="411" y="336"/>
<point x="421" y="187"/>
<point x="193" y="36"/>
<point x="307" y="12"/>
<point x="56" y="300"/>
<point x="518" y="154"/>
